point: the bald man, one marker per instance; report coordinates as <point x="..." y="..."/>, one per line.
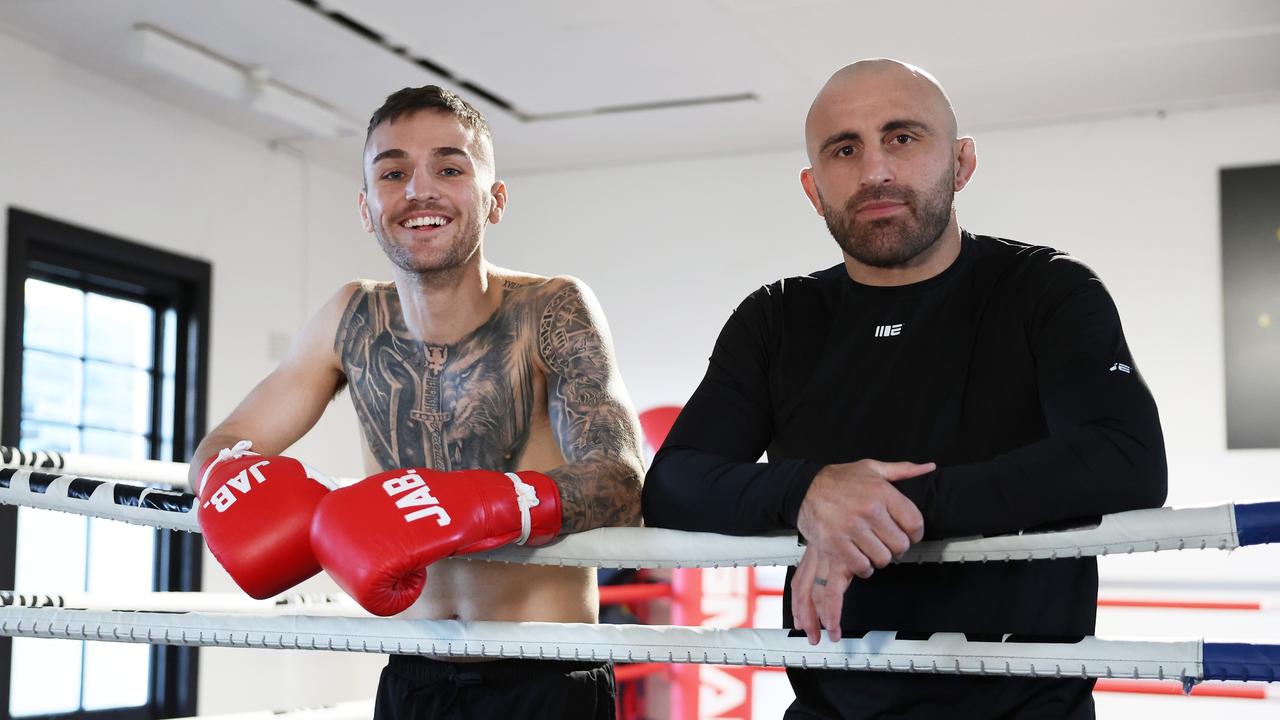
<point x="934" y="384"/>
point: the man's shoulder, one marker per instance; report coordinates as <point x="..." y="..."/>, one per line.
<point x="992" y="248"/>
<point x="517" y="280"/>
<point x="1037" y="264"/>
<point x="359" y="296"/>
<point x="364" y="308"/>
<point x="798" y="290"/>
<point x="361" y="288"/>
<point x="542" y="307"/>
<point x="524" y="287"/>
<point x="541" y="294"/>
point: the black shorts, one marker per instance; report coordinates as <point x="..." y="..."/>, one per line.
<point x="417" y="688"/>
<point x="853" y="695"/>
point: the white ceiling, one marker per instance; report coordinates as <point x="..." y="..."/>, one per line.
<point x="1006" y="63"/>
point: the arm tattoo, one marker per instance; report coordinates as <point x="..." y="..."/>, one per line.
<point x="470" y="404"/>
<point x="600" y="484"/>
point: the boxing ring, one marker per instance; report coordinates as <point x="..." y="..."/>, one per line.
<point x="332" y="623"/>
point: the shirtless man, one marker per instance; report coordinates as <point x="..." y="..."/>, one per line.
<point x="465" y="373"/>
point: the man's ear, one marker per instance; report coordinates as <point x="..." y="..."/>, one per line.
<point x="366" y="222"/>
<point x="966" y="162"/>
<point x="498" y="201"/>
<point x="810" y="186"/>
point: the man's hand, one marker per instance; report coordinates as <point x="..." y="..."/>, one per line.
<point x="817" y="594"/>
<point x="854" y="521"/>
<point x="853" y="513"/>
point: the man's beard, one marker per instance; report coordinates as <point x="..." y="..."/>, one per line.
<point x="892" y="241"/>
<point x="464" y="244"/>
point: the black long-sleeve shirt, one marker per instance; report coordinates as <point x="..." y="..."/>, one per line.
<point x="1009" y="369"/>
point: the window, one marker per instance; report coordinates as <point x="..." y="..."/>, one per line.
<point x="104" y="355"/>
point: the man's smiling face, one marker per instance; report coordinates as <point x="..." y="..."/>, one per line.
<point x="429" y="191"/>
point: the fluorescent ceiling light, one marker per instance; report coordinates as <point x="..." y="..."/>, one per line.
<point x="253" y="87"/>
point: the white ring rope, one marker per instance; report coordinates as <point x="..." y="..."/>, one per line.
<point x="941" y="653"/>
<point x="354" y="710"/>
<point x="1119" y="533"/>
<point x="231" y="602"/>
<point x="149" y="472"/>
<point x="154" y="472"/>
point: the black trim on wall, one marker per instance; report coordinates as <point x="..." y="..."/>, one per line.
<point x="42" y="247"/>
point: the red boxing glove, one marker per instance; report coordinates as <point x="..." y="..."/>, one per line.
<point x="375" y="538"/>
<point x="255" y="513"/>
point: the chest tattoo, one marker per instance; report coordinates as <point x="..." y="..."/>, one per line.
<point x="450" y="407"/>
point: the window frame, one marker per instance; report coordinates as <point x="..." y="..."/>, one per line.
<point x="49" y="249"/>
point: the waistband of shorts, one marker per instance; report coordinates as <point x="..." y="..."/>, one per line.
<point x="419" y="668"/>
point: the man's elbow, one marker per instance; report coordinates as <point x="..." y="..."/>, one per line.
<point x="656" y="499"/>
<point x="634" y="517"/>
<point x="1134" y="467"/>
<point x="628" y="480"/>
<point x="1156" y="483"/>
<point x="1148" y="481"/>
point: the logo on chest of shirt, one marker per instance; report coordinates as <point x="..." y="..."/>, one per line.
<point x="888" y="330"/>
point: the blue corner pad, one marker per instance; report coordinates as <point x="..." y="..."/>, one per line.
<point x="1258" y="523"/>
<point x="1242" y="661"/>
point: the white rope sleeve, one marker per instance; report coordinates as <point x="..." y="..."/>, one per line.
<point x="1121" y="533"/>
<point x="91" y="497"/>
<point x="941" y="653"/>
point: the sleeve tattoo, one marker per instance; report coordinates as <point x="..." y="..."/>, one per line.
<point x="590" y="416"/>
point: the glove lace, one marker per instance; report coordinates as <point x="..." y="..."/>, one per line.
<point x="240" y="449"/>
<point x="526" y="497"/>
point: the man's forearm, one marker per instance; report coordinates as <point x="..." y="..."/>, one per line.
<point x="689" y="489"/>
<point x="598" y="494"/>
<point x="1083" y="473"/>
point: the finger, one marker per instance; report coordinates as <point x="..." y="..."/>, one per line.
<point x="893" y="471"/>
<point x="803" y="614"/>
<point x="907" y="516"/>
<point x="831" y="606"/>
<point x="870" y="546"/>
<point x="854" y="561"/>
<point x="840" y="545"/>
<point x="892" y="536"/>
<point x="829" y="599"/>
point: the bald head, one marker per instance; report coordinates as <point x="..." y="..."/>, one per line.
<point x="883" y="86"/>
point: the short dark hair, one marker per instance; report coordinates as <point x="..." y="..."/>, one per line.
<point x="434" y="98"/>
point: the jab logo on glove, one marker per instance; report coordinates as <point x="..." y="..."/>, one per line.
<point x="419" y="497"/>
<point x="223" y="498"/>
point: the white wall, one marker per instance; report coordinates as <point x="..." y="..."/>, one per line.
<point x="280" y="233"/>
<point x="669" y="248"/>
